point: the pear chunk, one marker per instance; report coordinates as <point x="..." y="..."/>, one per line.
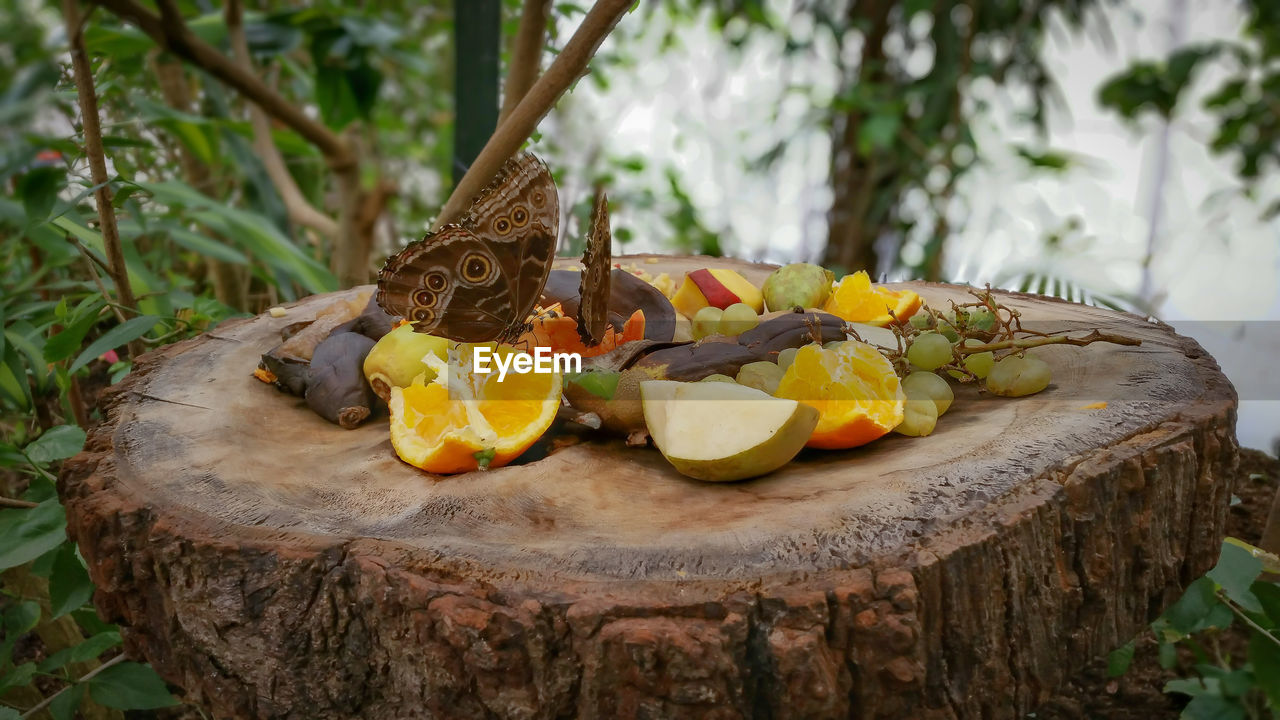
<point x="724" y="431"/>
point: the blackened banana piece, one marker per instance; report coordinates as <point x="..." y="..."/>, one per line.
<point x="336" y="386"/>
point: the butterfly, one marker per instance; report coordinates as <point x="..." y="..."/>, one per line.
<point x="480" y="278"/>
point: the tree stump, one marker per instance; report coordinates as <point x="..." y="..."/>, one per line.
<point x="273" y="565"/>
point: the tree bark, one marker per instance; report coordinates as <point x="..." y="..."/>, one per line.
<point x="275" y="566"/>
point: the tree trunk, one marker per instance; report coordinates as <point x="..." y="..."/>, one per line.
<point x="275" y="566"/>
<point x="855" y="175"/>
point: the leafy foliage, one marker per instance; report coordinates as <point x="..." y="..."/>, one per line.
<point x="1224" y="686"/>
<point x="1244" y="102"/>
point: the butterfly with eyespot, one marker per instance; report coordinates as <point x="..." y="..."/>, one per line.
<point x="479" y="279"/>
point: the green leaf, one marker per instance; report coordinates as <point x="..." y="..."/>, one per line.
<point x="337" y="101"/>
<point x="56" y="443"/>
<point x="1268" y="593"/>
<point x="122" y="334"/>
<point x="8" y="713"/>
<point x="1236" y="570"/>
<point x="130" y="686"/>
<point x="17" y="677"/>
<point x="1186" y="613"/>
<point x="1213" y="707"/>
<point x="1270" y="561"/>
<point x="1264" y="656"/>
<point x="39" y="189"/>
<point x="207" y="246"/>
<point x="64" y="706"/>
<point x="90" y="648"/>
<point x="66" y="343"/>
<point x="29" y="533"/>
<point x="1119" y="660"/>
<point x="1191" y="686"/>
<point x="69" y="585"/>
<point x="18" y="620"/>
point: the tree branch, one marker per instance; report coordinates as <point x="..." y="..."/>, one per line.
<point x="295" y="203"/>
<point x="170" y="32"/>
<point x="568" y="66"/>
<point x="97" y="162"/>
<point x="526" y="55"/>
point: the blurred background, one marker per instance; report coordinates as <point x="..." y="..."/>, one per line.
<point x="1116" y="152"/>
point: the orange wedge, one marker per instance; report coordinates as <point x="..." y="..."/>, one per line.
<point x="853" y="387"/>
<point x="855" y="299"/>
<point x="476" y="421"/>
<point x="560" y="334"/>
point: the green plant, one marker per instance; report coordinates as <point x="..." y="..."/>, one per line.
<point x="1226" y="686"/>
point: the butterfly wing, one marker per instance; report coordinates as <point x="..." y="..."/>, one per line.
<point x="451" y="284"/>
<point x="519" y="213"/>
<point x="593" y="288"/>
<point x="478" y="280"/>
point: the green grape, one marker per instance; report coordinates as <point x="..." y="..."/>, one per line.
<point x="832" y="344"/>
<point x="978" y="363"/>
<point x="925" y="385"/>
<point x="737" y="319"/>
<point x="946" y="327"/>
<point x="706" y="322"/>
<point x="982" y="320"/>
<point x="1018" y="376"/>
<point x="919" y="418"/>
<point x="718" y="377"/>
<point x="762" y="375"/>
<point x="920" y="320"/>
<point x="786" y="357"/>
<point x="929" y="351"/>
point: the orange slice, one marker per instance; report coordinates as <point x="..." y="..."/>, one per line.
<point x="855" y="299"/>
<point x="853" y="387"/>
<point x="474" y="421"/>
<point x="560" y="334"/>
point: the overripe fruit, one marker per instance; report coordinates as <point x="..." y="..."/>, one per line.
<point x="737" y="319"/>
<point x="1016" y="376"/>
<point x="929" y="351"/>
<point x="706" y="322"/>
<point x="762" y="375"/>
<point x="396" y="359"/>
<point x="721" y="431"/>
<point x="801" y="285"/>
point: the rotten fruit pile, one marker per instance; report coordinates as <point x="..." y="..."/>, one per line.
<point x="726" y="379"/>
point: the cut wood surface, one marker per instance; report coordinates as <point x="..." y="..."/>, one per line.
<point x="273" y="565"/>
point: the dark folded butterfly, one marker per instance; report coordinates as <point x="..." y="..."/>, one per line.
<point x="593" y="288"/>
<point x="480" y="278"/>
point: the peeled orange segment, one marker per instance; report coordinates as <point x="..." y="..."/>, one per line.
<point x="855" y="299"/>
<point x="560" y="334"/>
<point x="852" y="386"/>
<point x="465" y="420"/>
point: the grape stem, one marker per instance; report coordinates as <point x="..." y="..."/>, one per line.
<point x="1039" y="340"/>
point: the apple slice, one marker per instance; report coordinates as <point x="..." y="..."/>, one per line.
<point x="724" y="431"/>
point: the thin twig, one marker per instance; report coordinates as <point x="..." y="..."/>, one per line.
<point x="300" y="210"/>
<point x="1248" y="620"/>
<point x="568" y="66"/>
<point x="87" y="676"/>
<point x="13" y="503"/>
<point x="97" y="161"/>
<point x="94" y="263"/>
<point x="526" y="55"/>
<point x="1040" y="339"/>
<point x="172" y="34"/>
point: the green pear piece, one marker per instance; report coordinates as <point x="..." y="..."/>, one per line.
<point x="720" y="431"/>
